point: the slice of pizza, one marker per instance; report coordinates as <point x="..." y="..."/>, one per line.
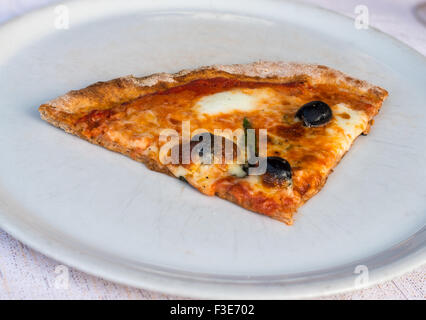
<point x="306" y="115"/>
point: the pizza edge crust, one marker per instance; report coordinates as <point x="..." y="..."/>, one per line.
<point x="104" y="95"/>
<point x="119" y="90"/>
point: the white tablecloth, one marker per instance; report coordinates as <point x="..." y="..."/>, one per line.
<point x="27" y="274"/>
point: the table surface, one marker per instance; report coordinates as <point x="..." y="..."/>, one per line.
<point x="27" y="274"/>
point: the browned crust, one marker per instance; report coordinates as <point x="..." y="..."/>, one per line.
<point x="104" y="95"/>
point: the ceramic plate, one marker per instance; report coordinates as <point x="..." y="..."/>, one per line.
<point x="110" y="216"/>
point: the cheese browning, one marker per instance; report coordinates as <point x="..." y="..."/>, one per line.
<point x="300" y="156"/>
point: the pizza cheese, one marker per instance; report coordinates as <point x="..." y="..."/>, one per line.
<point x="311" y="115"/>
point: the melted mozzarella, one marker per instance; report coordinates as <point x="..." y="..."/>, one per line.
<point x="353" y="125"/>
<point x="244" y="100"/>
<point x="236" y="170"/>
<point x="137" y="142"/>
<point x="178" y="171"/>
<point x="349" y="124"/>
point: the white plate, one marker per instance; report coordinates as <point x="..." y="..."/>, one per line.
<point x="110" y="216"/>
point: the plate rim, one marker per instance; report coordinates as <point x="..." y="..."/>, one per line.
<point x="211" y="287"/>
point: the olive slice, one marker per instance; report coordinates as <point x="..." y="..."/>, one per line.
<point x="278" y="172"/>
<point x="314" y="114"/>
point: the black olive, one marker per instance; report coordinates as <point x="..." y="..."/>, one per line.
<point x="278" y="172"/>
<point x="314" y="114"/>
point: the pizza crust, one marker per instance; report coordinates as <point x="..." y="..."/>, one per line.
<point x="102" y="95"/>
<point x="105" y="95"/>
